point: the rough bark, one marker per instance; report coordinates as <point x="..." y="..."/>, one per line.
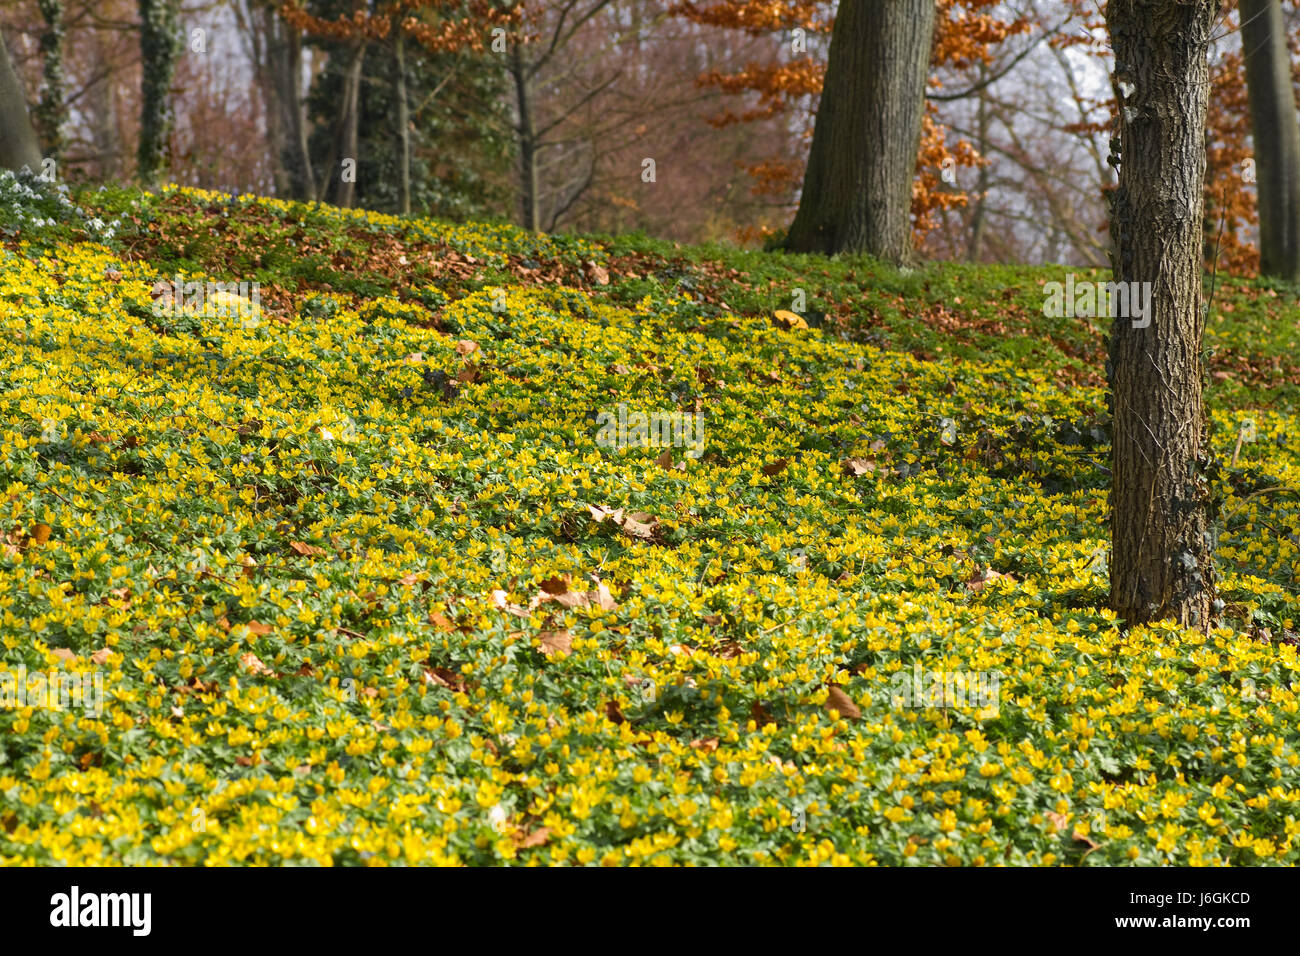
<point x="1161" y="537"/>
<point x="857" y="191"/>
<point x="1277" y="137"/>
<point x="18" y="147"/>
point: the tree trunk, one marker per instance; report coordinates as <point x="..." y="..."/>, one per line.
<point x="287" y="63"/>
<point x="1276" y="135"/>
<point x="978" y="214"/>
<point x="351" y="121"/>
<point x="105" y="133"/>
<point x="276" y="49"/>
<point x="857" y="191"/>
<point x="51" y="113"/>
<point x="403" y="123"/>
<point x="17" y="138"/>
<point x="159" y="50"/>
<point x="527" y="132"/>
<point x="1161" y="539"/>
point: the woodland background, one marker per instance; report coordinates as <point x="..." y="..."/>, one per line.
<point x="268" y="98"/>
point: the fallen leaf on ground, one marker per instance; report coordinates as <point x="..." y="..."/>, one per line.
<point x="537" y="838"/>
<point x="838" y="702"/>
<point x="556" y="642"/>
<point x="252" y="664"/>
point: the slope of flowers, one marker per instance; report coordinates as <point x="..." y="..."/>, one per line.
<point x="363" y="584"/>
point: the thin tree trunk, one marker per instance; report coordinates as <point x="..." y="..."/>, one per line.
<point x="260" y="37"/>
<point x="978" y="217"/>
<point x="1276" y="135"/>
<point x="288" y="82"/>
<point x="857" y="191"/>
<point x="1161" y="540"/>
<point x="17" y="138"/>
<point x="527" y="132"/>
<point x="350" y="120"/>
<point x="403" y="124"/>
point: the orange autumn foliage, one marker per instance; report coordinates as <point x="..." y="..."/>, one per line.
<point x="440" y="26"/>
<point x="966" y="33"/>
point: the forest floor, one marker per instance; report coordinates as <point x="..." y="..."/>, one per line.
<point x="381" y="571"/>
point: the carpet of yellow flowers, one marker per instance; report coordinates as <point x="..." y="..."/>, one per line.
<point x="362" y="587"/>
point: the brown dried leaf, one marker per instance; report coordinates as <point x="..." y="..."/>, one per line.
<point x="537" y="838"/>
<point x="981" y="578"/>
<point x="556" y="642"/>
<point x="640" y="524"/>
<point x="252" y="664"/>
<point x="838" y="702"/>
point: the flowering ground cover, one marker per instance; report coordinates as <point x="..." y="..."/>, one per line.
<point x="352" y="575"/>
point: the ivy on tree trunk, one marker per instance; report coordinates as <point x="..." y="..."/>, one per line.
<point x="51" y="112"/>
<point x="160" y="47"/>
